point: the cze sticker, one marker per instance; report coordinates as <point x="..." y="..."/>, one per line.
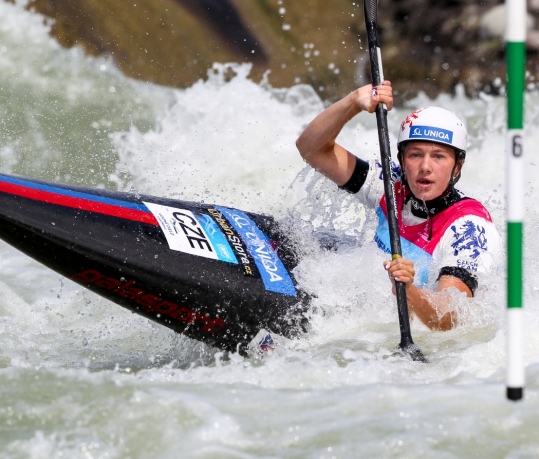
<point x="190" y="233"/>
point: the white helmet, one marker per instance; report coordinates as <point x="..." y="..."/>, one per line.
<point x="434" y="124"/>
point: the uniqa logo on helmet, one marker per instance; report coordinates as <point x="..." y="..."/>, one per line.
<point x="431" y="133"/>
<point x="434" y="124"/>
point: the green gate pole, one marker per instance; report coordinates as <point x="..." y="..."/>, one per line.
<point x="516" y="64"/>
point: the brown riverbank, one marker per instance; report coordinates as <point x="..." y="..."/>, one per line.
<point x="427" y="45"/>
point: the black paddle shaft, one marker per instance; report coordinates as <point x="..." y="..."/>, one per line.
<point x="407" y="343"/>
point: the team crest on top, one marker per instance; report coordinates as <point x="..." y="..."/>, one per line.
<point x="409" y="120"/>
<point x="428" y="132"/>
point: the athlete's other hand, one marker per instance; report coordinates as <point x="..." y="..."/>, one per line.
<point x="401" y="270"/>
<point x="368" y="97"/>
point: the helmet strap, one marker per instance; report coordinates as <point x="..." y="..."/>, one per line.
<point x="459" y="161"/>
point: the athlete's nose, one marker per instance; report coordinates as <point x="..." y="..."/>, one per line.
<point x="425" y="164"/>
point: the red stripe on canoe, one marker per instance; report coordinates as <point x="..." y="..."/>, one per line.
<point x="79" y="203"/>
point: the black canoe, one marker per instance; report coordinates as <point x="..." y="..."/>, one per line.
<point x="215" y="274"/>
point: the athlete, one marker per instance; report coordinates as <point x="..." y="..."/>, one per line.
<point x="448" y="240"/>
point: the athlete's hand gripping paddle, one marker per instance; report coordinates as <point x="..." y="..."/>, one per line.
<point x="406" y="344"/>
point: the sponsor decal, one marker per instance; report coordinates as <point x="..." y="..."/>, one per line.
<point x="218" y="240"/>
<point x="431" y="133"/>
<point x="274" y="275"/>
<point x="247" y="262"/>
<point x="149" y="302"/>
<point x="470" y="241"/>
<point x="190" y="233"/>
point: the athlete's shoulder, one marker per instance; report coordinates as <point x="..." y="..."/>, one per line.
<point x="396" y="171"/>
<point x="469" y="206"/>
<point x="373" y="189"/>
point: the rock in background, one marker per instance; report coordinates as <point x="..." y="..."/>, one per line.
<point x="426" y="44"/>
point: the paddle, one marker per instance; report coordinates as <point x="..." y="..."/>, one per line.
<point x="406" y="344"/>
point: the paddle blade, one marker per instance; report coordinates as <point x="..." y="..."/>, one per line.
<point x="414" y="352"/>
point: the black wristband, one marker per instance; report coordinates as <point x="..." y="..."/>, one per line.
<point x="460" y="273"/>
<point x="358" y="177"/>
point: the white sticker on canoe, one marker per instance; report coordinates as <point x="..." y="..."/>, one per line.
<point x="183" y="231"/>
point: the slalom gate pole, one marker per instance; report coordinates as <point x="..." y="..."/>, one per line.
<point x="406" y="344"/>
<point x="516" y="64"/>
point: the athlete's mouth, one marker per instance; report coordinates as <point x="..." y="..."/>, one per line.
<point x="424" y="182"/>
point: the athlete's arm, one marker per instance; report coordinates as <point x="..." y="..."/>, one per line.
<point x="427" y="307"/>
<point x="317" y="142"/>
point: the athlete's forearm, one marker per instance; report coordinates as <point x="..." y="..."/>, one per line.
<point x="429" y="307"/>
<point x="432" y="308"/>
<point x="317" y="143"/>
<point x="319" y="136"/>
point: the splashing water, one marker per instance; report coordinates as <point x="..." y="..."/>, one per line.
<point x="81" y="377"/>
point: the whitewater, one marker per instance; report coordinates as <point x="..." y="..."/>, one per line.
<point x="82" y="378"/>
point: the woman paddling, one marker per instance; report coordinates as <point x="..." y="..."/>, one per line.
<point x="447" y="239"/>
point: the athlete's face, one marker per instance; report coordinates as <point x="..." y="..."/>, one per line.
<point x="428" y="168"/>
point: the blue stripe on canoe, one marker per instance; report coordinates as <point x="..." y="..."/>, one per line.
<point x="75" y="194"/>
